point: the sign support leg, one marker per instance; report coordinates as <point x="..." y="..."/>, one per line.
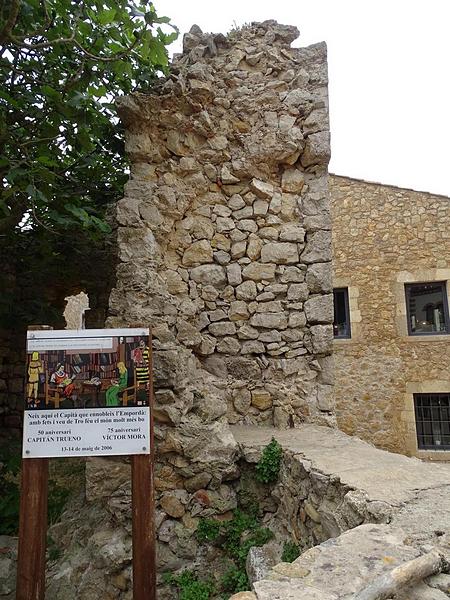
<point x="32" y="530"/>
<point x="143" y="506"/>
<point x="32" y="524"/>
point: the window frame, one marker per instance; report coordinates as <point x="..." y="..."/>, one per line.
<point x="408" y="287"/>
<point x="348" y="335"/>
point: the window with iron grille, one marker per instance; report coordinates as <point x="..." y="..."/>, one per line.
<point x="427" y="308"/>
<point x="341" y="325"/>
<point x="432" y="421"/>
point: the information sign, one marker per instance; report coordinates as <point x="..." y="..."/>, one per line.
<point x="87" y="393"/>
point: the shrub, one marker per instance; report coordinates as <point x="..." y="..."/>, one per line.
<point x="268" y="467"/>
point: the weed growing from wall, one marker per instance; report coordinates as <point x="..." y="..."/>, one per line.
<point x="207" y="530"/>
<point x="268" y="467"/>
<point x="235" y="537"/>
<point x="235" y="580"/>
<point x="190" y="588"/>
<point x="291" y="551"/>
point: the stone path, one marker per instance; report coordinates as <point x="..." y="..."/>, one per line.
<point x="417" y="492"/>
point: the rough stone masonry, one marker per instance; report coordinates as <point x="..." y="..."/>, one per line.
<point x="224" y="249"/>
<point x="224" y="231"/>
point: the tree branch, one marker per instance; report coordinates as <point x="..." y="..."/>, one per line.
<point x="39" y="140"/>
<point x="71" y="40"/>
<point x="113" y="58"/>
<point x="16" y="41"/>
<point x="403" y="576"/>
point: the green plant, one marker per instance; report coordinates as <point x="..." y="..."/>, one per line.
<point x="241" y="533"/>
<point x="62" y="153"/>
<point x="237" y="536"/>
<point x="235" y="580"/>
<point x="207" y="530"/>
<point x="62" y="62"/>
<point x="291" y="551"/>
<point x="190" y="587"/>
<point x="268" y="467"/>
<point x="258" y="537"/>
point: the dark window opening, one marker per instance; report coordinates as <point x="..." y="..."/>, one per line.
<point x="432" y="421"/>
<point x="427" y="308"/>
<point x="341" y="325"/>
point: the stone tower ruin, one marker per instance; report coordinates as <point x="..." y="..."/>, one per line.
<point x="224" y="249"/>
<point x="224" y="231"/>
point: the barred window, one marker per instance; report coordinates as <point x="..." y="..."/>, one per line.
<point x="432" y="421"/>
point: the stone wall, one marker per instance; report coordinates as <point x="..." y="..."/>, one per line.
<point x="372" y="505"/>
<point x="224" y="231"/>
<point x="384" y="237"/>
<point x="224" y="249"/>
<point x="329" y="483"/>
<point x="307" y="506"/>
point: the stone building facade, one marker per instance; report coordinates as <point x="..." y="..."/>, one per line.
<point x="387" y="241"/>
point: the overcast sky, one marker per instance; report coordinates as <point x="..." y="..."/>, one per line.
<point x="389" y="88"/>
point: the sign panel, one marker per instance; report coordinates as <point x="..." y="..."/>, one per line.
<point x="87" y="393"/>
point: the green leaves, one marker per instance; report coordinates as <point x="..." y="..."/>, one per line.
<point x="291" y="551"/>
<point x="190" y="587"/>
<point x="59" y="71"/>
<point x="62" y="159"/>
<point x="207" y="530"/>
<point x="106" y="17"/>
<point x="268" y="467"/>
<point x="235" y="537"/>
